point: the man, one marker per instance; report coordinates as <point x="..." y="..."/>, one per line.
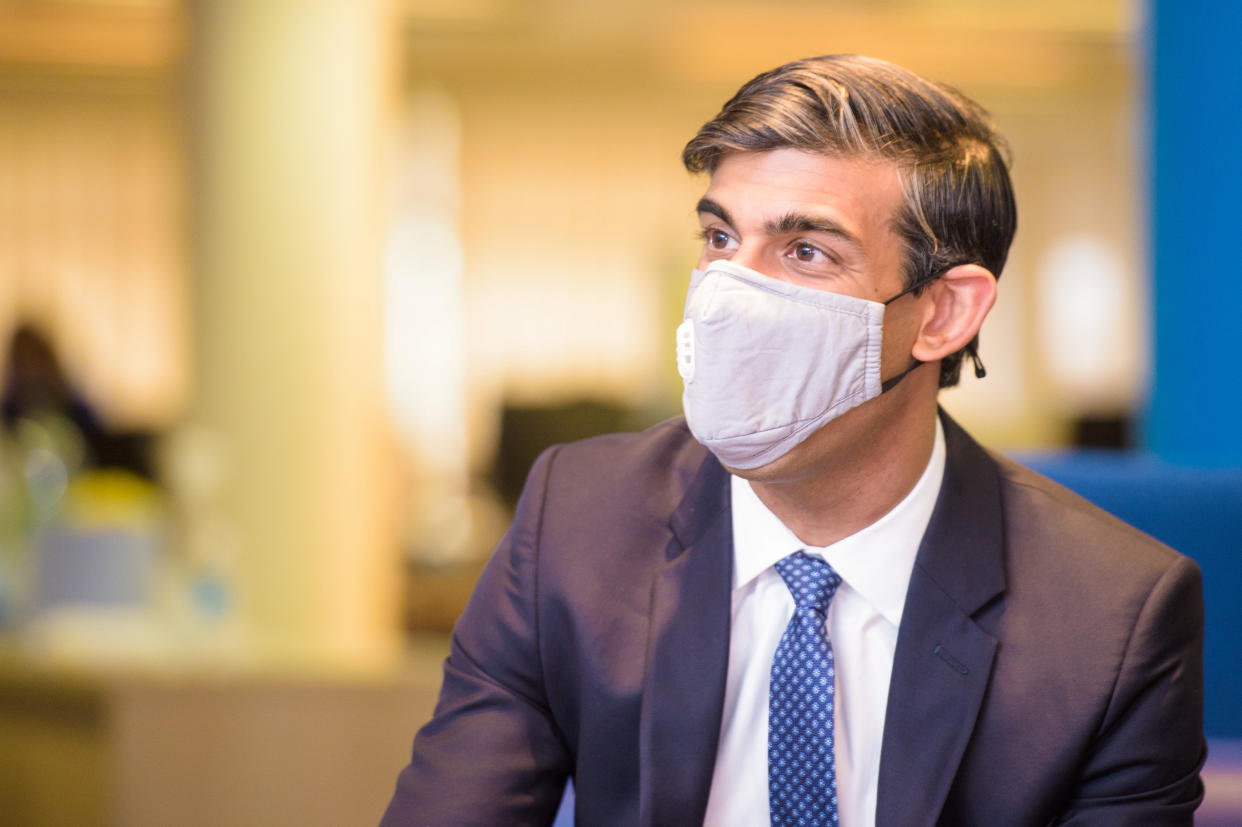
<point x="817" y="600"/>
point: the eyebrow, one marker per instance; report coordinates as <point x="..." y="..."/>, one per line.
<point x="788" y="223"/>
<point x="707" y="205"/>
<point x="800" y="223"/>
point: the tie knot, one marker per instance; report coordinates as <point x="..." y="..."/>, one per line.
<point x="811" y="581"/>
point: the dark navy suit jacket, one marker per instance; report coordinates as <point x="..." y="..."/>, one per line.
<point x="1048" y="666"/>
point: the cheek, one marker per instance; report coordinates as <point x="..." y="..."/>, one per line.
<point x="900" y="330"/>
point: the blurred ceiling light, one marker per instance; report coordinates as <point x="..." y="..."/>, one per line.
<point x="1088" y="336"/>
<point x="423" y="271"/>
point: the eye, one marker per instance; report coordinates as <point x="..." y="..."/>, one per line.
<point x="717" y="239"/>
<point x="806" y="252"/>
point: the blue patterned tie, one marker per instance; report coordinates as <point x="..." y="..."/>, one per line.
<point x="802" y="785"/>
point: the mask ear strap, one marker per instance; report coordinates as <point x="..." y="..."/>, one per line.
<point x="909" y="289"/>
<point x="972" y="350"/>
<point x="889" y="384"/>
<point x="914" y="363"/>
<point x="918" y="285"/>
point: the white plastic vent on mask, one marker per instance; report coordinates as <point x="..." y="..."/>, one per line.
<point x="685" y="350"/>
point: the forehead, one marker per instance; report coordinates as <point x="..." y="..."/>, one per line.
<point x="861" y="194"/>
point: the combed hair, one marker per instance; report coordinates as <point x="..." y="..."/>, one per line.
<point x="959" y="206"/>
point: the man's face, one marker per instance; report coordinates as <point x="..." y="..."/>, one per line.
<point x="821" y="222"/>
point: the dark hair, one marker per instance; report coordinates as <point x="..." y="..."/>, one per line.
<point x="959" y="206"/>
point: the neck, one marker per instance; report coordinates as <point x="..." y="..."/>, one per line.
<point x="859" y="469"/>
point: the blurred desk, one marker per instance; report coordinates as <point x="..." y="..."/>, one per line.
<point x="207" y="746"/>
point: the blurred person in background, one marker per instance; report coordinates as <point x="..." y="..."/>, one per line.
<point x="36" y="389"/>
<point x="78" y="506"/>
<point x="816" y="599"/>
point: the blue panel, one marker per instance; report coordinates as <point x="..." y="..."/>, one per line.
<point x="1194" y="410"/>
<point x="1199" y="513"/>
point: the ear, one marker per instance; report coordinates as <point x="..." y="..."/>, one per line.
<point x="960" y="300"/>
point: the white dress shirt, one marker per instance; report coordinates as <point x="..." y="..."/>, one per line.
<point x="863" y="618"/>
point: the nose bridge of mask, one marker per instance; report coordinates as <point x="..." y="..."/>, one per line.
<point x="824" y="299"/>
<point x="696" y="278"/>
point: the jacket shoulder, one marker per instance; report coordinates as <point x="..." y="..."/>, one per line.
<point x="624" y="475"/>
<point x="1099" y="628"/>
<point x="1067" y="527"/>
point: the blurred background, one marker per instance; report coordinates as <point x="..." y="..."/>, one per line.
<point x="292" y="293"/>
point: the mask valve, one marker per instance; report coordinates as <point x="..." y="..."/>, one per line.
<point x="685" y="350"/>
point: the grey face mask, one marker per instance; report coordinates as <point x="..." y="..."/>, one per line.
<point x="766" y="362"/>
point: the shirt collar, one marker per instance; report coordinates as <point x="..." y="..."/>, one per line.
<point x="876" y="561"/>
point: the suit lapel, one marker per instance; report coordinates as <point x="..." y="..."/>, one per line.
<point x="943" y="658"/>
<point x="687" y="656"/>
